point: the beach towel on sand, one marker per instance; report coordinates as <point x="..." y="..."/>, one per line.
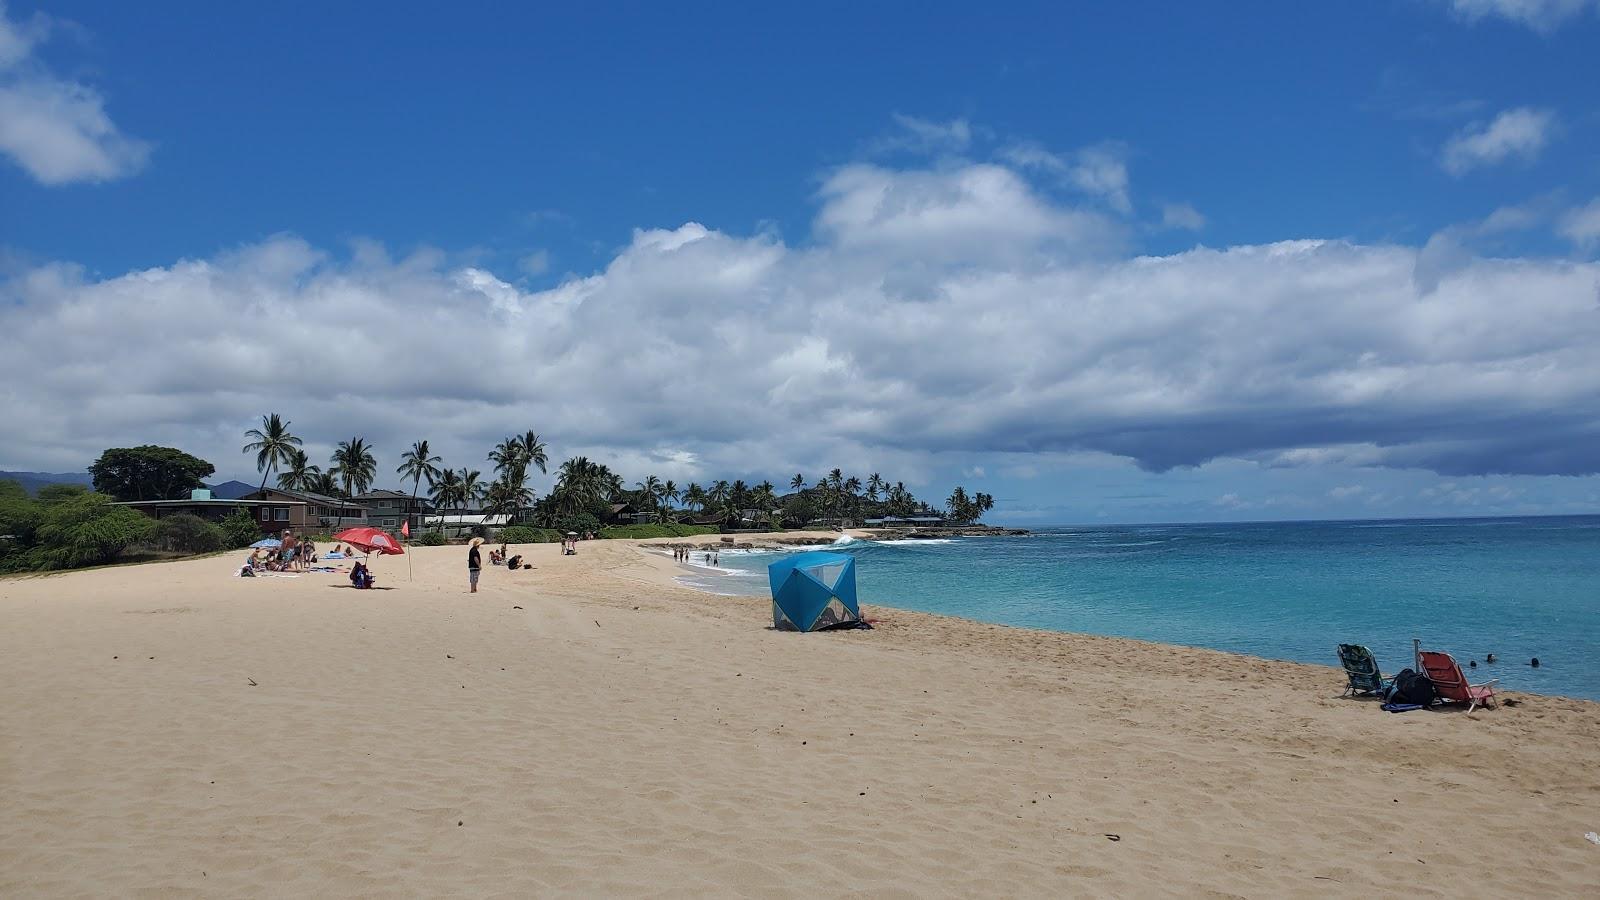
<point x="1401" y="707"/>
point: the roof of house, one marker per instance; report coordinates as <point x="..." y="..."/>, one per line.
<point x="308" y="497"/>
<point x="385" y="494"/>
<point x="214" y="501"/>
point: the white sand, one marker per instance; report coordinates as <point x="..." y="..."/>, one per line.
<point x="622" y="735"/>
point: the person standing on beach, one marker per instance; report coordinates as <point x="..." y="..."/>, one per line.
<point x="474" y="564"/>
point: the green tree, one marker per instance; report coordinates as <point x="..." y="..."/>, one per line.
<point x="798" y="481"/>
<point x="299" y="472"/>
<point x="445" y="491"/>
<point x="271" y="444"/>
<point x="322" y="483"/>
<point x="148" y="472"/>
<point x="240" y="529"/>
<point x="417" y="464"/>
<point x="355" y="468"/>
<point x="86" y="530"/>
<point x="185" y="533"/>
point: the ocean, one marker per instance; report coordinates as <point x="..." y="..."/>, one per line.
<point x="1515" y="587"/>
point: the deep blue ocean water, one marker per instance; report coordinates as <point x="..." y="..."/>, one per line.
<point x="1516" y="587"/>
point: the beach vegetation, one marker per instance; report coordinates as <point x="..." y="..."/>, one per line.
<point x="67" y="530"/>
<point x="965" y="510"/>
<point x="430" y="539"/>
<point x="641" y="532"/>
<point x="354" y="467"/>
<point x="527" y="534"/>
<point x="271" y="443"/>
<point x="298" y="472"/>
<point x="148" y="472"/>
<point x="418" y="464"/>
<point x="184" y="533"/>
<point x="239" y="529"/>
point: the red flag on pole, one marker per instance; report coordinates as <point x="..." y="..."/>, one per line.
<point x="405" y="528"/>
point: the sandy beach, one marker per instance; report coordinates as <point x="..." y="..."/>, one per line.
<point x="591" y="728"/>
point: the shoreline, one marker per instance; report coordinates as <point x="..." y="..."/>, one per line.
<point x="1334" y="672"/>
<point x="590" y="726"/>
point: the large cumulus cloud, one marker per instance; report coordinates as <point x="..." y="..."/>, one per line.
<point x="956" y="308"/>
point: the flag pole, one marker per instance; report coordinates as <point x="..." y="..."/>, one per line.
<point x="405" y="529"/>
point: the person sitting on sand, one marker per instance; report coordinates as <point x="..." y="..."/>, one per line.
<point x="361" y="576"/>
<point x="514" y="562"/>
<point x="496" y="557"/>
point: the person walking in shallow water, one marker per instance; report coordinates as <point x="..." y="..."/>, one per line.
<point x="474" y="564"/>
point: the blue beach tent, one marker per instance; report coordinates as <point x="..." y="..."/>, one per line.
<point x="813" y="591"/>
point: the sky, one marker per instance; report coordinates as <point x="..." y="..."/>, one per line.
<point x="1163" y="262"/>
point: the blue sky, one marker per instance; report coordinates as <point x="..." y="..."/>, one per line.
<point x="798" y="203"/>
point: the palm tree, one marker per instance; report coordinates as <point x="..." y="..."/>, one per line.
<point x="875" y="486"/>
<point x="507" y="497"/>
<point x="766" y="501"/>
<point x="694" y="496"/>
<point x="298" y="476"/>
<point x="472" y="488"/>
<point x="506" y="456"/>
<point x="416" y="464"/>
<point x="355" y="468"/>
<point x="798" y="481"/>
<point x="649" y="492"/>
<point x="667" y="494"/>
<point x="271" y="444"/>
<point x="321" y="483"/>
<point x="445" y="489"/>
<point x="533" y="450"/>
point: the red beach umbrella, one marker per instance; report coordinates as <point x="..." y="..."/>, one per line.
<point x="370" y="540"/>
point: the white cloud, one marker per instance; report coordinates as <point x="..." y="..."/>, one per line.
<point x="535" y="263"/>
<point x="1582" y="225"/>
<point x="943" y="313"/>
<point x="1100" y="171"/>
<point x="1346" y="491"/>
<point x="1543" y="16"/>
<point x="1182" y="216"/>
<point x="56" y="130"/>
<point x="1520" y="133"/>
<point x="926" y="137"/>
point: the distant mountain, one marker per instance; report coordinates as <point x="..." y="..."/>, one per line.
<point x="32" y="481"/>
<point x="232" y="490"/>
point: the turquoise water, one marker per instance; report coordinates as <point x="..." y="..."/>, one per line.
<point x="1518" y="588"/>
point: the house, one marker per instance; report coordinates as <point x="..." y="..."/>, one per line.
<point x="621" y="514"/>
<point x="907" y="521"/>
<point x="304" y="511"/>
<point x="201" y="503"/>
<point x="461" y="522"/>
<point x="387" y="509"/>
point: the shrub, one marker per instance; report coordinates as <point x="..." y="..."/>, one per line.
<point x="429" y="539"/>
<point x="640" y="532"/>
<point x="582" y="523"/>
<point x="87" y="530"/>
<point x="239" y="529"/>
<point x="523" y="534"/>
<point x="184" y="533"/>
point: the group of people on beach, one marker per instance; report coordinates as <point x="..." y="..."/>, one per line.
<point x="291" y="555"/>
<point x="500" y="557"/>
<point x="685" y="555"/>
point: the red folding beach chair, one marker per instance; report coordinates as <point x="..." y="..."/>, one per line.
<point x="1451" y="684"/>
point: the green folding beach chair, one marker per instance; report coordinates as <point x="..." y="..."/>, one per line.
<point x="1362" y="669"/>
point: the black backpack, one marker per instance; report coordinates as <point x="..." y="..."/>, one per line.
<point x="1410" y="687"/>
